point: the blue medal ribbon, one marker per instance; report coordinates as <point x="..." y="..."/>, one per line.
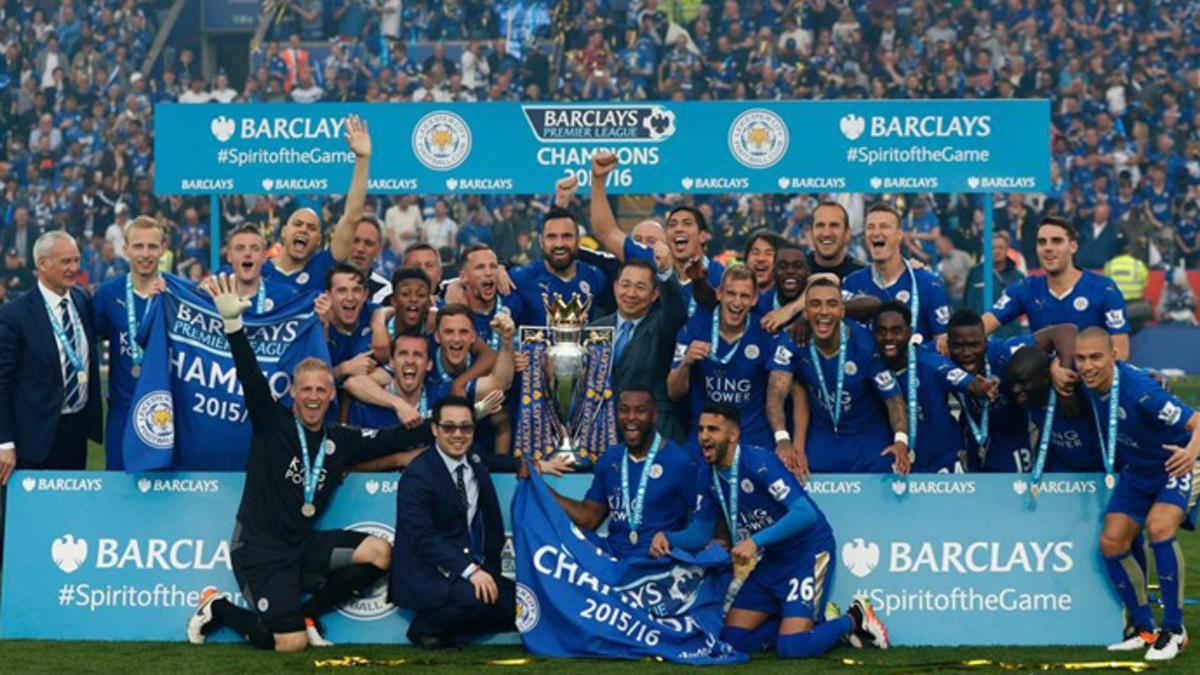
<point x="494" y="341"/>
<point x="60" y="335"/>
<point x="312" y="469"/>
<point x="833" y="405"/>
<point x="978" y="430"/>
<point x="716" y="337"/>
<point x="633" y="509"/>
<point x="1047" y="431"/>
<point x="913" y="382"/>
<point x="730" y="507"/>
<point x="135" y="349"/>
<point x="442" y="375"/>
<point x="1108" y="443"/>
<point x="260" y="300"/>
<point x="914" y="298"/>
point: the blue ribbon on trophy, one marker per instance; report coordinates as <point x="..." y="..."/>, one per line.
<point x="566" y="401"/>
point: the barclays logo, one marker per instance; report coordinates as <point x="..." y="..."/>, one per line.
<point x="222" y="128"/>
<point x="860" y="557"/>
<point x="69" y="553"/>
<point x="852" y="126"/>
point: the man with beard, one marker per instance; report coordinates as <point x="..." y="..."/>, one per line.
<point x="1065" y="294"/>
<point x="277" y="552"/>
<point x="246" y="253"/>
<point x="118" y="308"/>
<point x="453" y="368"/>
<point x="830" y="235"/>
<point x="643" y="487"/>
<point x="364" y="248"/>
<point x="933" y="436"/>
<point x="858" y="420"/>
<point x="776" y="530"/>
<point x="299" y="263"/>
<point x="1156" y="439"/>
<point x="344" y="310"/>
<point x="759" y="254"/>
<point x="891" y="277"/>
<point x="686" y="232"/>
<point x="996" y="432"/>
<point x="723" y="355"/>
<point x="559" y="273"/>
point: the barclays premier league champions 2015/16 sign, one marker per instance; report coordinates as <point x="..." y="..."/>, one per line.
<point x="114" y="556"/>
<point x="761" y="146"/>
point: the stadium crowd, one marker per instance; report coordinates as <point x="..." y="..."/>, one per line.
<point x="828" y="351"/>
<point x="1122" y="78"/>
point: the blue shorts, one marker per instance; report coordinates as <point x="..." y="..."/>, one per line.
<point x="847" y="453"/>
<point x="792" y="585"/>
<point x="1137" y="492"/>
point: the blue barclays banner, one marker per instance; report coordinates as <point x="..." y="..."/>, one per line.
<point x="761" y="146"/>
<point x="948" y="560"/>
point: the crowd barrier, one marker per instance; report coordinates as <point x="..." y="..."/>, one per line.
<point x="662" y="147"/>
<point x="948" y="560"/>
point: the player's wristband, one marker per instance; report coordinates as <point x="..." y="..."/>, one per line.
<point x="900" y="437"/>
<point x="471" y="569"/>
<point x="781" y="436"/>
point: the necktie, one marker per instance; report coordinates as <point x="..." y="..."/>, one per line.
<point x="461" y="484"/>
<point x="73" y="392"/>
<point x="623" y="337"/>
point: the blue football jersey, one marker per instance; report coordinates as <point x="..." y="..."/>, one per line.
<point x="1148" y="419"/>
<point x="937" y="439"/>
<point x="1007" y="449"/>
<point x="669" y="500"/>
<point x="510" y="304"/>
<point x="111" y="322"/>
<point x="867" y="382"/>
<point x="345" y="346"/>
<point x="741" y="380"/>
<point x="934" y="312"/>
<point x="308" y="279"/>
<point x="764" y="488"/>
<point x="1094" y="301"/>
<point x="1074" y="446"/>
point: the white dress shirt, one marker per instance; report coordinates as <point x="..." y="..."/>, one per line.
<point x="53" y="299"/>
<point x="452" y="465"/>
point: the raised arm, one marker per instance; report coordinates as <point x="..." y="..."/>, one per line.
<point x="231" y="306"/>
<point x="604" y="224"/>
<point x="359" y="140"/>
<point x="501" y="377"/>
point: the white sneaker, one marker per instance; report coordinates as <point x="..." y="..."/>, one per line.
<point x="1167" y="646"/>
<point x="1134" y="641"/>
<point x="315" y="639"/>
<point x="872" y="627"/>
<point x="202" y="617"/>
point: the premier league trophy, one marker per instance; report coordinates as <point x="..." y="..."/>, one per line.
<point x="566" y="402"/>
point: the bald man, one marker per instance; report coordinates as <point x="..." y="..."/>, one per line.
<point x="301" y="263"/>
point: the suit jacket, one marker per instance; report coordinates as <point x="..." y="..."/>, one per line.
<point x="433" y="541"/>
<point x="9" y="240"/>
<point x="647" y="358"/>
<point x="31" y="386"/>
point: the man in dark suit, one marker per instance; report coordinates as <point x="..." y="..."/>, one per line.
<point x="646" y="325"/>
<point x="449" y="535"/>
<point x="49" y="376"/>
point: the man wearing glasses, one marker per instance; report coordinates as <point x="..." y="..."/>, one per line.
<point x="449" y="535"/>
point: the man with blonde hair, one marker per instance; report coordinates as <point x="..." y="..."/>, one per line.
<point x="119" y="308"/>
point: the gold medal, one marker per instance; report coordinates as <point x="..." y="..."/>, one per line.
<point x="1035" y="490"/>
<point x="633" y="537"/>
<point x="83" y="379"/>
<point x="1110" y="481"/>
<point x="308" y="510"/>
<point x="137" y="370"/>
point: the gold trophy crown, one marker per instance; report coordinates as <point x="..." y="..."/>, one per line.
<point x="571" y="313"/>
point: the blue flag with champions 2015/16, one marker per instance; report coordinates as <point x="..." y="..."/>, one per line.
<point x="576" y="600"/>
<point x="188" y="411"/>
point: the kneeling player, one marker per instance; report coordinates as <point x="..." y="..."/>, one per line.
<point x="1156" y="439"/>
<point x="295" y="464"/>
<point x="778" y="531"/>
<point x="647" y="484"/>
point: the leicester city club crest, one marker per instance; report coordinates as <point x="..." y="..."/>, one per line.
<point x="758" y="138"/>
<point x="154" y="420"/>
<point x="441" y="140"/>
